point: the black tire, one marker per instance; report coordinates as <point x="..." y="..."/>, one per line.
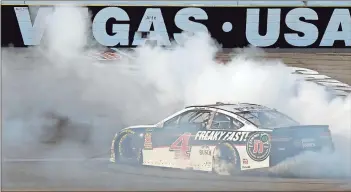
<point x="226" y="160"/>
<point x="126" y="151"/>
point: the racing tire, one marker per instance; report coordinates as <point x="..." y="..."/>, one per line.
<point x="126" y="151"/>
<point x="226" y="160"/>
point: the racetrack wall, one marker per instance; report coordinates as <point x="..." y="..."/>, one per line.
<point x="266" y="27"/>
<point x="54" y="98"/>
<point x="335" y="64"/>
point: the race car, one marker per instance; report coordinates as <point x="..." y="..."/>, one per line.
<point x="221" y="138"/>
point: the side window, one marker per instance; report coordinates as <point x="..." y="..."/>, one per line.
<point x="172" y="122"/>
<point x="179" y="119"/>
<point x="189" y="117"/>
<point x="201" y="117"/>
<point x="185" y="118"/>
<point x="237" y="124"/>
<point x="222" y="121"/>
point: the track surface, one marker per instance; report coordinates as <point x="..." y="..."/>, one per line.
<point x="21" y="171"/>
<point x="99" y="175"/>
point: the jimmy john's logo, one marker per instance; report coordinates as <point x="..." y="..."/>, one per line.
<point x="147" y="141"/>
<point x="221" y="135"/>
<point x="258" y="146"/>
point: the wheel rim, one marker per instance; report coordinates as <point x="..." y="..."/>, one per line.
<point x="224" y="161"/>
<point x="126" y="150"/>
<point x="123" y="146"/>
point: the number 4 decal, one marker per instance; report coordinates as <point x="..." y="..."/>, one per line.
<point x="181" y="146"/>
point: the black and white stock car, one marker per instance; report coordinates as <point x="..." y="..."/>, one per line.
<point x="220" y="138"/>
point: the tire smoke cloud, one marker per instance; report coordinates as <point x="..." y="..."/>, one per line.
<point x="56" y="96"/>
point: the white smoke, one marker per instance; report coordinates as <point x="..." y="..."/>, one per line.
<point x="99" y="99"/>
<point x="200" y="80"/>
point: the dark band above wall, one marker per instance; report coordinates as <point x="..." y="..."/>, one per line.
<point x="288" y="27"/>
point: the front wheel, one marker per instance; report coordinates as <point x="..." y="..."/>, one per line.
<point x="226" y="160"/>
<point x="127" y="151"/>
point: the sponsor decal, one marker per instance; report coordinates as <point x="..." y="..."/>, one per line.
<point x="221" y="135"/>
<point x="308" y="143"/>
<point x="245" y="167"/>
<point x="205" y="150"/>
<point x="258" y="146"/>
<point x="149" y="129"/>
<point x="181" y="147"/>
<point x="148" y="141"/>
<point x="245" y="161"/>
<point x="113" y="26"/>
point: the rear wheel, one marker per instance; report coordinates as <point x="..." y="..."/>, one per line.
<point x="126" y="151"/>
<point x="226" y="160"/>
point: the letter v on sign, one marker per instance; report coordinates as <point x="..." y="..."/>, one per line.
<point x="32" y="33"/>
<point x="32" y="30"/>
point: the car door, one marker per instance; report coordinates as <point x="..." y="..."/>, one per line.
<point x="245" y="143"/>
<point x="175" y="137"/>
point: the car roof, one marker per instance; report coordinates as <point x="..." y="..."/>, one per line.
<point x="235" y="107"/>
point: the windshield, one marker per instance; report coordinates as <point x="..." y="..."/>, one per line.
<point x="268" y="119"/>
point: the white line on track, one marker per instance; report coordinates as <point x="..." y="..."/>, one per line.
<point x="54" y="159"/>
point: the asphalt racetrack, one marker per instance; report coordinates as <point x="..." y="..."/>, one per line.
<point x="65" y="174"/>
<point x="21" y="171"/>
